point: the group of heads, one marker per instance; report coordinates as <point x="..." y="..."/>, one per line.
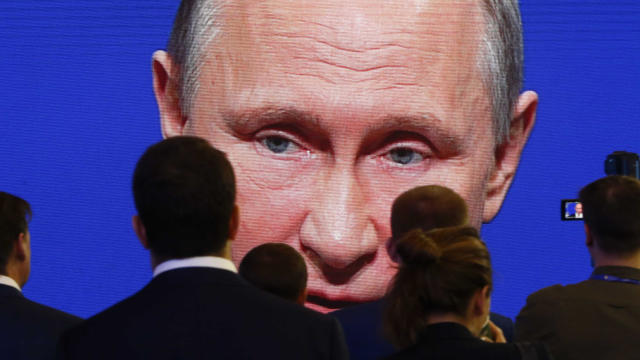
<point x="447" y="270"/>
<point x="330" y="110"/>
<point x="184" y="191"/>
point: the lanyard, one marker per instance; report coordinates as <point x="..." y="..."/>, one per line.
<point x="612" y="278"/>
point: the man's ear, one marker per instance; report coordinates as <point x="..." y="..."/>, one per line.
<point x="302" y="298"/>
<point x="234" y="222"/>
<point x="22" y="247"/>
<point x="588" y="236"/>
<point x="166" y="88"/>
<point x="507" y="155"/>
<point x="141" y="231"/>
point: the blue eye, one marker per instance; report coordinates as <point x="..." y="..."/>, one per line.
<point x="404" y="156"/>
<point x="276" y="144"/>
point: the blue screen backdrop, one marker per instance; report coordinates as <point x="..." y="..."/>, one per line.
<point x="77" y="110"/>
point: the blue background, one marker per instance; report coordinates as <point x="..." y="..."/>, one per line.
<point x="77" y="110"/>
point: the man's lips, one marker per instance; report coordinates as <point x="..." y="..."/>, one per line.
<point x="323" y="301"/>
<point x="325" y="306"/>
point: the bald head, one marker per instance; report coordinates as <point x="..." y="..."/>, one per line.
<point x="427" y="207"/>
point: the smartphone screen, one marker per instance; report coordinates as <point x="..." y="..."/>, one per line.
<point x="571" y="209"/>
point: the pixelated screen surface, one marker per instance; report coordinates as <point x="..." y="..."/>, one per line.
<point x="323" y="127"/>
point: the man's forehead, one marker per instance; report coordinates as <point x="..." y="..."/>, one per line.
<point x="371" y="44"/>
<point x="340" y="58"/>
<point x="355" y="25"/>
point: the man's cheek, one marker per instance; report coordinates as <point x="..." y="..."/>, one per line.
<point x="268" y="215"/>
<point x="465" y="175"/>
<point x="268" y="171"/>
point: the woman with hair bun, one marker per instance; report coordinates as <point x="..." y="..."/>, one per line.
<point x="439" y="300"/>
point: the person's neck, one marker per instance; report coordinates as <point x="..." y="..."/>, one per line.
<point x="603" y="259"/>
<point x="15" y="273"/>
<point x="224" y="253"/>
<point x="437" y="318"/>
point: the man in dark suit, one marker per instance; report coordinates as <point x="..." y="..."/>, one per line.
<point x="598" y="318"/>
<point x="425" y="207"/>
<point x="28" y="330"/>
<point x="196" y="306"/>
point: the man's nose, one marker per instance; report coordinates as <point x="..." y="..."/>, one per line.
<point x="338" y="234"/>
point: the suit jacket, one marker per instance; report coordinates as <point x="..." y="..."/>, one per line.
<point x="29" y="330"/>
<point x="362" y="326"/>
<point x="205" y="313"/>
<point x="593" y="319"/>
<point x="453" y="341"/>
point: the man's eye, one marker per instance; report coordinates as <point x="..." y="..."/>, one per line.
<point x="277" y="144"/>
<point x="404" y="156"/>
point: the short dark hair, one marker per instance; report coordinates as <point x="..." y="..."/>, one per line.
<point x="427" y="207"/>
<point x="276" y="268"/>
<point x="184" y="191"/>
<point x="439" y="271"/>
<point x="15" y="214"/>
<point x="611" y="208"/>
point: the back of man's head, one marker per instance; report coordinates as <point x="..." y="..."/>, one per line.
<point x="611" y="208"/>
<point x="276" y="268"/>
<point x="184" y="191"/>
<point x="15" y="214"/>
<point x="427" y="207"/>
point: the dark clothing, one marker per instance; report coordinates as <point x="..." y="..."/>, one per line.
<point x="29" y="330"/>
<point x="504" y="323"/>
<point x="362" y="326"/>
<point x="452" y="341"/>
<point x="593" y="319"/>
<point x="205" y="313"/>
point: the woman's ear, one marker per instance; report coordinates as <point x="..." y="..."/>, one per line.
<point x="482" y="301"/>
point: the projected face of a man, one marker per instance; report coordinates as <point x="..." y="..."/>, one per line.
<point x="329" y="110"/>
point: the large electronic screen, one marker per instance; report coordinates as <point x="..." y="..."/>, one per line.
<point x="320" y="150"/>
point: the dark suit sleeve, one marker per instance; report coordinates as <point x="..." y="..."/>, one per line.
<point x="339" y="349"/>
<point x="536" y="321"/>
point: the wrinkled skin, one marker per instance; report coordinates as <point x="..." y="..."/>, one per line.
<point x="329" y="110"/>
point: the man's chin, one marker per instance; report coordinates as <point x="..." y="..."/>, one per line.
<point x="325" y="305"/>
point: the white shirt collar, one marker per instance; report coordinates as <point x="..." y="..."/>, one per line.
<point x="198" y="261"/>
<point x="5" y="280"/>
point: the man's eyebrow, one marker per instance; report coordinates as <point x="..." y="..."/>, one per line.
<point x="245" y="122"/>
<point x="428" y="125"/>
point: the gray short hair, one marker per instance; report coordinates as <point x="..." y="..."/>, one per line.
<point x="502" y="61"/>
<point x="198" y="22"/>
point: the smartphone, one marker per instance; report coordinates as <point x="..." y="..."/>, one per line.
<point x="571" y="209"/>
